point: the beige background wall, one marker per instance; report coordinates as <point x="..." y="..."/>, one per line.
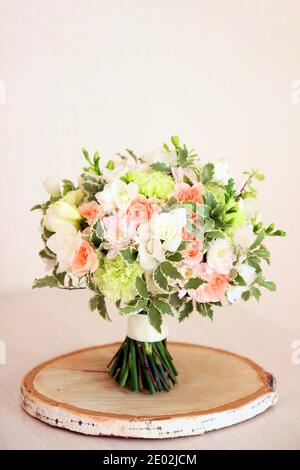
<point x="114" y="74"/>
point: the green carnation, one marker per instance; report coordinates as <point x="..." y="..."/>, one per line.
<point x="216" y="190"/>
<point x="152" y="183"/>
<point x="116" y="279"/>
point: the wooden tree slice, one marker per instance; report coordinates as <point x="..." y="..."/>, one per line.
<point x="216" y="389"/>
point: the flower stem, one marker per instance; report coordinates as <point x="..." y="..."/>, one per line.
<point x="144" y="367"/>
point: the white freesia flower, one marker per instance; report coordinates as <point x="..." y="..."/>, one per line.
<point x="161" y="155"/>
<point x="64" y="244"/>
<point x="162" y="233"/>
<point x="221" y="174"/>
<point x="244" y="236"/>
<point x="220" y="255"/>
<point x="117" y="195"/>
<point x="52" y="187"/>
<point x="247" y="272"/>
<point x="179" y="173"/>
<point x="151" y="254"/>
<point x="249" y="206"/>
<point x="116" y="167"/>
<point x="60" y="214"/>
<point x="234" y="293"/>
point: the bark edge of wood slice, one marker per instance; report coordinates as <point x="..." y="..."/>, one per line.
<point x="216" y="389"/>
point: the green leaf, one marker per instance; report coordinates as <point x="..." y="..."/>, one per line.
<point x="163" y="307"/>
<point x="258" y="176"/>
<point x="174" y="257"/>
<point x="47" y="254"/>
<point x="207" y="173"/>
<point x="135" y="308"/>
<point x="47" y="281"/>
<point x="169" y="270"/>
<point x="254" y="262"/>
<point x="246" y="295"/>
<point x="255" y="292"/>
<point x="175" y="141"/>
<point x="186" y="311"/>
<point x="97" y="302"/>
<point x="183" y="245"/>
<point x="161" y="280"/>
<point x="97" y="233"/>
<point x="128" y="255"/>
<point x="175" y="301"/>
<point x="262" y="253"/>
<point x="60" y="277"/>
<point x="218" y="210"/>
<point x="162" y="167"/>
<point x="239" y="280"/>
<point x="205" y="310"/>
<point x="194" y="283"/>
<point x="209" y="225"/>
<point x="132" y="154"/>
<point x="270" y="285"/>
<point x="92" y="184"/>
<point x="141" y="287"/>
<point x="187" y="180"/>
<point x="155" y="317"/>
<point x="67" y="186"/>
<point x="214" y="234"/>
<point x="258" y="240"/>
<point x="36" y="207"/>
<point x="86" y="155"/>
<point x="210" y="200"/>
<point x="278" y="233"/>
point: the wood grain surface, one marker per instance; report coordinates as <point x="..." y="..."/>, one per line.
<point x="216" y="389"/>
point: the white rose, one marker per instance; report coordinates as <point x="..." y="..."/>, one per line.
<point x="64" y="244"/>
<point x="221" y="174"/>
<point x="244" y="236"/>
<point x="117" y="195"/>
<point x="220" y="256"/>
<point x="52" y="187"/>
<point x="60" y="214"/>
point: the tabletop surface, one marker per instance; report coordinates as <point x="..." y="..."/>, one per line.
<point x="37" y="326"/>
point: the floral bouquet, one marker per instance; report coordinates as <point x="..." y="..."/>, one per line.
<point x="158" y="235"/>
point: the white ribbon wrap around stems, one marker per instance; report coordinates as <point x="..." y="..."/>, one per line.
<point x="139" y="328"/>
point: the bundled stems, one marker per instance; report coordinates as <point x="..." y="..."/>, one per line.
<point x="143" y="366"/>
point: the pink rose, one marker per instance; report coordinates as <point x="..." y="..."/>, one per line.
<point x="214" y="289"/>
<point x="193" y="254"/>
<point x="185" y="192"/>
<point x="141" y="210"/>
<point x="91" y="211"/>
<point x="85" y="259"/>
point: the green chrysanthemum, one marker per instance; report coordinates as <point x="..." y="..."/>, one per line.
<point x="116" y="279"/>
<point x="152" y="183"/>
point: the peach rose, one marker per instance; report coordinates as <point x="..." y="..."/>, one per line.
<point x="85" y="259"/>
<point x="193" y="254"/>
<point x="141" y="210"/>
<point x="185" y="192"/>
<point x="215" y="288"/>
<point x="91" y="211"/>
